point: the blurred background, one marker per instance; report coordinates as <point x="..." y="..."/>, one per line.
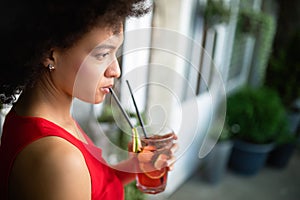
<point x="225" y="75"/>
<point x="251" y="46"/>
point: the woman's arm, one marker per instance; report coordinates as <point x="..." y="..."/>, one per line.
<point x="125" y="171"/>
<point x="50" y="168"/>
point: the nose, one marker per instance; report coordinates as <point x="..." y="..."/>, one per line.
<point x="113" y="70"/>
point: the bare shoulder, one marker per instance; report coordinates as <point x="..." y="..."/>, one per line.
<point x="50" y="168"/>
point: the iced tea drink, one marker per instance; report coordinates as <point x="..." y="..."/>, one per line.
<point x="154" y="152"/>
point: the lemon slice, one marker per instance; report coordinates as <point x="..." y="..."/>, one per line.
<point x="136" y="142"/>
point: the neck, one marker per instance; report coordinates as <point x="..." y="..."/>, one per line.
<point x="45" y="101"/>
<point x="35" y="103"/>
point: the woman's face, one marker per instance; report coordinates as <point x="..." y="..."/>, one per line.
<point x="87" y="70"/>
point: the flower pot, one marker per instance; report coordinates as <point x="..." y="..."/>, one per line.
<point x="216" y="162"/>
<point x="248" y="158"/>
<point x="294" y="121"/>
<point x="280" y="156"/>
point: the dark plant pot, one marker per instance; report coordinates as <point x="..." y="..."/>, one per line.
<point x="248" y="158"/>
<point x="294" y="121"/>
<point x="280" y="156"/>
<point x="216" y="162"/>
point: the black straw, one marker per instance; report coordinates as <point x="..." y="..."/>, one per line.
<point x="137" y="111"/>
<point x="120" y="106"/>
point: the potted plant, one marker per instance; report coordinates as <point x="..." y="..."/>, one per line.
<point x="285" y="146"/>
<point x="216" y="162"/>
<point x="253" y="115"/>
<point x="285" y="63"/>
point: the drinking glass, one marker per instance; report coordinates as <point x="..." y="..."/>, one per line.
<point x="155" y="151"/>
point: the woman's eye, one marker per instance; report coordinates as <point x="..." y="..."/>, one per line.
<point x="101" y="56"/>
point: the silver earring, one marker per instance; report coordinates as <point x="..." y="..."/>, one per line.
<point x="51" y="67"/>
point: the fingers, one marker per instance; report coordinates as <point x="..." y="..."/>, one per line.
<point x="170" y="163"/>
<point x="159" y="158"/>
<point x="175" y="137"/>
<point x="145" y="156"/>
<point x="165" y="161"/>
<point x="172" y="158"/>
<point x="170" y="168"/>
<point x="174" y="148"/>
<point x="161" y="161"/>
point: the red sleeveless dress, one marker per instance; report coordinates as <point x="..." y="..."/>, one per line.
<point x="20" y="131"/>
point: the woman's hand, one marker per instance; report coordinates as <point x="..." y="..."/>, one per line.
<point x="159" y="158"/>
<point x="127" y="169"/>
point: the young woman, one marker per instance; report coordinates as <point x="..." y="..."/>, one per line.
<point x="54" y="51"/>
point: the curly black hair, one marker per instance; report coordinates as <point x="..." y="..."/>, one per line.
<point x="29" y="31"/>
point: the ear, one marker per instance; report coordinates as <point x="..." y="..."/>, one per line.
<point x="49" y="58"/>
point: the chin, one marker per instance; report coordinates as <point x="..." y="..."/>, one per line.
<point x="99" y="99"/>
<point x="95" y="100"/>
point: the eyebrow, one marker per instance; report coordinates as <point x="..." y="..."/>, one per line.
<point x="105" y="46"/>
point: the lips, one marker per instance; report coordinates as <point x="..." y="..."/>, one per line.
<point x="105" y="89"/>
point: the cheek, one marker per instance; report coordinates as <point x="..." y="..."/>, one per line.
<point x="66" y="72"/>
<point x="87" y="80"/>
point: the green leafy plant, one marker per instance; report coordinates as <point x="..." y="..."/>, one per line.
<point x="285" y="135"/>
<point x="132" y="193"/>
<point x="216" y="12"/>
<point x="106" y="115"/>
<point x="254" y="114"/>
<point x="250" y="21"/>
<point x="262" y="26"/>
